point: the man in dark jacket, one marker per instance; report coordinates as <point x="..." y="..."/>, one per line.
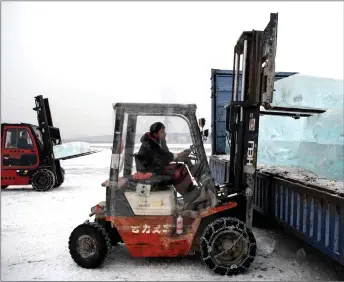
<point x="154" y="154"/>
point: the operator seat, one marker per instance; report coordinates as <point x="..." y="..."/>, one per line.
<point x="154" y="193"/>
<point x="176" y="174"/>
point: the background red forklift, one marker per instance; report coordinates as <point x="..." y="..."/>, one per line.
<point x="150" y="221"/>
<point x="27" y="152"/>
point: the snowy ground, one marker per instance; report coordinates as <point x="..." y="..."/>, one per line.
<point x="35" y="228"/>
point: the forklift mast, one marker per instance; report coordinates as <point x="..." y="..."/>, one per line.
<point x="257" y="51"/>
<point x="50" y="134"/>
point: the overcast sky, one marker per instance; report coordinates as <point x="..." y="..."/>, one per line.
<point x="84" y="56"/>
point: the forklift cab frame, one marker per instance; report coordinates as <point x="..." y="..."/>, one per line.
<point x="126" y="115"/>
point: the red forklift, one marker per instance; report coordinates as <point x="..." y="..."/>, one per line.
<point x="27" y="152"/>
<point x="150" y="212"/>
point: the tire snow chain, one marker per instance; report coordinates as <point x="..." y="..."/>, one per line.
<point x="224" y="228"/>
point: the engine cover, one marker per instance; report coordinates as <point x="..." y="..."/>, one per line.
<point x="143" y="202"/>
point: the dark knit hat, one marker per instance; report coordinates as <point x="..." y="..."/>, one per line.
<point x="155" y="127"/>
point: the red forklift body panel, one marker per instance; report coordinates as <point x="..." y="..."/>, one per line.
<point x="15" y="157"/>
<point x="155" y="236"/>
<point x="10" y="177"/>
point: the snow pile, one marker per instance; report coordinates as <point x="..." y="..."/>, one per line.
<point x="71" y="148"/>
<point x="315" y="143"/>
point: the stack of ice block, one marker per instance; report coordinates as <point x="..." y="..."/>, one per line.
<point x="315" y="143"/>
<point x="71" y="148"/>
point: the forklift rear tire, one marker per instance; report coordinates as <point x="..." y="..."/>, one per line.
<point x="228" y="246"/>
<point x="4" y="186"/>
<point x="43" y="180"/>
<point x="89" y="245"/>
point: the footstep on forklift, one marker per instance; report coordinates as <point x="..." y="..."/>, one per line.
<point x="27" y="152"/>
<point x="179" y="213"/>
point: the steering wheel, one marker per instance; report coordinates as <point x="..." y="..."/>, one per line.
<point x="193" y="153"/>
<point x="193" y="150"/>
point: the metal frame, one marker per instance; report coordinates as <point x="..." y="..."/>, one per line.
<point x="115" y="200"/>
<point x="50" y="134"/>
<point x="258" y="49"/>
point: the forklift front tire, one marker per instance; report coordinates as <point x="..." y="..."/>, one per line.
<point x="43" y="180"/>
<point x="228" y="246"/>
<point x="89" y="245"/>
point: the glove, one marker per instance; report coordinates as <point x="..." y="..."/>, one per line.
<point x="182" y="155"/>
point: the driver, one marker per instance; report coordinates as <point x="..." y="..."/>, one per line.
<point x="154" y="155"/>
<point x="23" y="142"/>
